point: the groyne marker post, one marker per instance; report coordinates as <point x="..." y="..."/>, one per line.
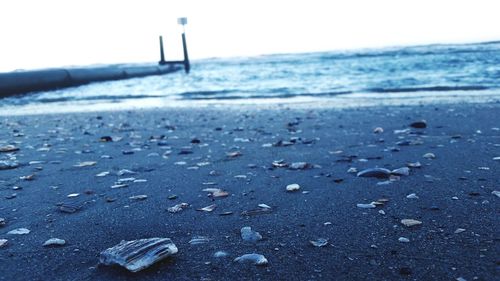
<point x="162" y="54"/>
<point x="183" y="22"/>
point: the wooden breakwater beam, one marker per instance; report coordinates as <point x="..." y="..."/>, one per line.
<point x="185" y="62"/>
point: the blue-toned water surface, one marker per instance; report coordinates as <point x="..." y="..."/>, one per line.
<point x="464" y="71"/>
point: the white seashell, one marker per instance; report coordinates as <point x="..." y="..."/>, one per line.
<point x="19" y="231"/>
<point x="248" y="234"/>
<point x="256" y="259"/>
<point x="403" y="240"/>
<point x="139" y="254"/>
<point x="54" y="242"/>
<point x="410" y="222"/>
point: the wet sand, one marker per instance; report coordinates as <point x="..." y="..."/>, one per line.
<point x="180" y="152"/>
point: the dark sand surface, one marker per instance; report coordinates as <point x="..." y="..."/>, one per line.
<point x="454" y="192"/>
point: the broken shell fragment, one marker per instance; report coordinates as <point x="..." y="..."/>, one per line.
<point x="421" y="124"/>
<point x="2" y="222"/>
<point x="3" y="242"/>
<point x="8" y="148"/>
<point x="199" y="240"/>
<point x="367" y="206"/>
<point x="216" y="192"/>
<point x="256" y="259"/>
<point x="410" y="222"/>
<point x="320" y="242"/>
<point x="85" y="164"/>
<point x="7" y="165"/>
<point x="54" y="242"/>
<point x="414" y="165"/>
<point x="375" y="173"/>
<point x="429" y="155"/>
<point x="209" y="208"/>
<point x="299" y="166"/>
<point x="19" y="231"/>
<point x="139" y="254"/>
<point x="177" y="208"/>
<point x="138" y="197"/>
<point x="403" y="240"/>
<point x="248" y="234"/>
<point x="378" y="130"/>
<point x="403" y="171"/>
<point x="292" y="187"/>
<point x="233" y="154"/>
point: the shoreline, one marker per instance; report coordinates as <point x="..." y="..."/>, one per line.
<point x="362" y="243"/>
<point x="345" y="101"/>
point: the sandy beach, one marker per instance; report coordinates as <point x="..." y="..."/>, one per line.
<point x="95" y="179"/>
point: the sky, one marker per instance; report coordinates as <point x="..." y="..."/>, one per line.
<point x="52" y="33"/>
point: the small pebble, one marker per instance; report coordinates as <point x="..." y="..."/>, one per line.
<point x="410" y="222"/>
<point x="403" y="240"/>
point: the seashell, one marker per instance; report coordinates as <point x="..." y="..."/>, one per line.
<point x="220" y="254"/>
<point x="366" y="206"/>
<point x="177" y="208"/>
<point x="73" y="195"/>
<point x="102" y="174"/>
<point x="19" y="231"/>
<point x="248" y="234"/>
<point x="138" y="197"/>
<point x="403" y="240"/>
<point x="54" y="242"/>
<point x="256" y="259"/>
<point x="254" y="212"/>
<point x="414" y="165"/>
<point x="429" y="155"/>
<point x="209" y="208"/>
<point x="85" y="164"/>
<point x="233" y="154"/>
<point x="70" y="207"/>
<point x="139" y="254"/>
<point x="216" y="192"/>
<point x="410" y="222"/>
<point x="320" y="242"/>
<point x="7" y="165"/>
<point x="459" y="230"/>
<point x="403" y="171"/>
<point x="279" y="163"/>
<point x="496" y="193"/>
<point x="3" y="242"/>
<point x="199" y="240"/>
<point x="265" y="206"/>
<point x="375" y="173"/>
<point x="378" y="130"/>
<point x="421" y="124"/>
<point x="299" y="166"/>
<point x="2" y="222"/>
<point x="8" y="148"/>
<point x="412" y="196"/>
<point x="352" y="170"/>
<point x="292" y="187"/>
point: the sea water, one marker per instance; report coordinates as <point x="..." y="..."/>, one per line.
<point x="398" y="75"/>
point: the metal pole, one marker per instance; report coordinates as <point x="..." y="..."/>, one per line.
<point x="162" y="55"/>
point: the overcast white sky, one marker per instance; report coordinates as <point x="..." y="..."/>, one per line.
<point x="50" y="33"/>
